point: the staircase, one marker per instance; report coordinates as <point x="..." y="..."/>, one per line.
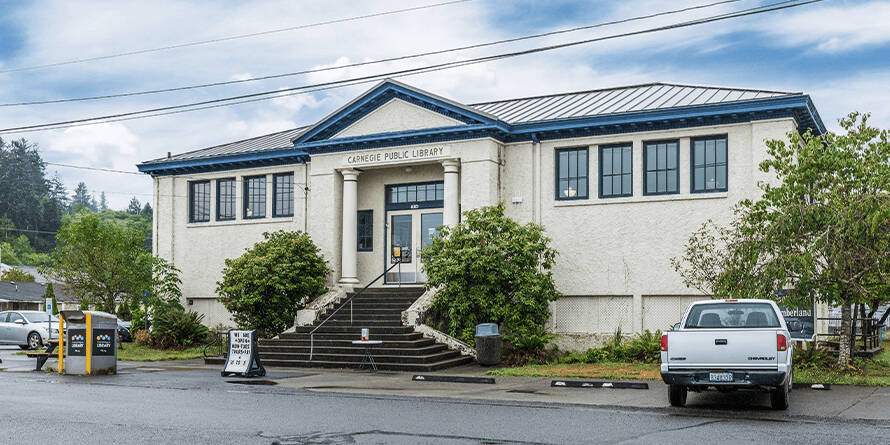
<point x="378" y="309"/>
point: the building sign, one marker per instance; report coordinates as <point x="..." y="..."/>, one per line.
<point x="396" y="156"/>
<point x="103" y="342"/>
<point x="805" y="316"/>
<point x="242" y="359"/>
<point x="77" y="344"/>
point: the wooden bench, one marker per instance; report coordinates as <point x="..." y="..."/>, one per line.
<point x="43" y="356"/>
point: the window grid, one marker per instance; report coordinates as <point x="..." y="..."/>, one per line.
<point x="254" y="197"/>
<point x="416" y="193"/>
<point x="283" y="185"/>
<point x="225" y="199"/>
<point x="661" y="168"/>
<point x="571" y="173"/>
<point x="365" y="230"/>
<point x="709" y="164"/>
<point x="199" y="201"/>
<point x="616" y="171"/>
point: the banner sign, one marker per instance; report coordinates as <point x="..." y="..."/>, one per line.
<point x="242" y="359"/>
<point x="77" y="342"/>
<point x="806" y="316"/>
<point x="103" y="342"/>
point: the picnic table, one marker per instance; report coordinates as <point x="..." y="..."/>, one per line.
<point x="43" y="356"/>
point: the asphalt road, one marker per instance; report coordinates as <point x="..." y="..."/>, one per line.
<point x="148" y="405"/>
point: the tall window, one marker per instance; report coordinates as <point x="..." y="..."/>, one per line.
<point x="365" y="230"/>
<point x="571" y="173"/>
<point x="199" y="201"/>
<point x="283" y="204"/>
<point x="660" y="163"/>
<point x="616" y="171"/>
<point x="255" y="197"/>
<point x="709" y="164"/>
<point x="225" y="199"/>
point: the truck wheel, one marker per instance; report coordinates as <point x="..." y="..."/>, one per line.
<point x="779" y="397"/>
<point x="677" y="395"/>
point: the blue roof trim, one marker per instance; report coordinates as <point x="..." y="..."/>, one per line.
<point x="382" y="94"/>
<point x="277" y="156"/>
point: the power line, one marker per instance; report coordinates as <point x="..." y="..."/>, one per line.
<point x="366" y="63"/>
<point x="228" y="38"/>
<point x="436" y="67"/>
<point x="109" y="170"/>
<point x="9" y="229"/>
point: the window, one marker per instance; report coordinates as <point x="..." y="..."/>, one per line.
<point x="199" y="201"/>
<point x="408" y="196"/>
<point x="616" y="171"/>
<point x="660" y="164"/>
<point x="732" y="315"/>
<point x="709" y="164"/>
<point x="365" y="230"/>
<point x="225" y="199"/>
<point x="571" y="173"/>
<point x="283" y="185"/>
<point x="255" y="197"/>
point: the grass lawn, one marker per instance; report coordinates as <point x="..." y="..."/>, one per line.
<point x="139" y="353"/>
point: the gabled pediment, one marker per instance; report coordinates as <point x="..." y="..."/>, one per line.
<point x="393" y="107"/>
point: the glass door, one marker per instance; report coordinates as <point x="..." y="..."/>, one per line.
<point x="400" y="248"/>
<point x="429" y="230"/>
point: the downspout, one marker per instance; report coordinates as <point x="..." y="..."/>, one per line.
<point x="306" y="197"/>
<point x="536" y="182"/>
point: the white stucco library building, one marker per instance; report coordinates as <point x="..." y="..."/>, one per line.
<point x="619" y="178"/>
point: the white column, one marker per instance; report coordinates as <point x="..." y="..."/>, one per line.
<point x="451" y="212"/>
<point x="348" y="266"/>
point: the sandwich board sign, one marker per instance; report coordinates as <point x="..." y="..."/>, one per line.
<point x="242" y="359"/>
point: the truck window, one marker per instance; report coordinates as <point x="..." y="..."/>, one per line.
<point x="732" y="315"/>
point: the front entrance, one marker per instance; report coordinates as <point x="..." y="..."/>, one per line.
<point x="409" y="231"/>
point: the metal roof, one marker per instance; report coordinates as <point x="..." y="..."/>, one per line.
<point x="281" y="139"/>
<point x="647" y="97"/>
<point x="22" y="291"/>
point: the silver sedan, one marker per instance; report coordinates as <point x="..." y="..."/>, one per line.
<point x="27" y="329"/>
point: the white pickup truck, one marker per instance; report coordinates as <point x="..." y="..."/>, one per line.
<point x="728" y="345"/>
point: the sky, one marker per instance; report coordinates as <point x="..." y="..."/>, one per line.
<point x="836" y="51"/>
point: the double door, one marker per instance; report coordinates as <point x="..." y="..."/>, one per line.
<point x="408" y="232"/>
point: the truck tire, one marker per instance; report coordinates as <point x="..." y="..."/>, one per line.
<point x="778" y="397"/>
<point x="677" y="395"/>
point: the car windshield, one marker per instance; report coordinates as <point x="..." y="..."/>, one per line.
<point x="732" y="315"/>
<point x="37" y="317"/>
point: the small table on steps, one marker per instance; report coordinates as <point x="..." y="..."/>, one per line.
<point x="368" y="358"/>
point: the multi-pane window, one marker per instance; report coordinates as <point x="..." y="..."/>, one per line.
<point x="660" y="164"/>
<point x="199" y="201"/>
<point x="709" y="164"/>
<point x="225" y="199"/>
<point x="616" y="171"/>
<point x="571" y="173"/>
<point x="255" y="197"/>
<point x="283" y="185"/>
<point x="416" y="193"/>
<point x="365" y="230"/>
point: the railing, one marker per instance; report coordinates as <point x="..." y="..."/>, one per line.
<point x="349" y="302"/>
<point x="866" y="332"/>
<point x="219" y="347"/>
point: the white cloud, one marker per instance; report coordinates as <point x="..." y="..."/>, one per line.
<point x="241" y="76"/>
<point x="833" y="29"/>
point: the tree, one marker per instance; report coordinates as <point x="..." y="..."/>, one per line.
<point x="489" y="268"/>
<point x="266" y="286"/>
<point x="135" y="207"/>
<point x="100" y="261"/>
<point x="82" y="199"/>
<point x="147" y="211"/>
<point x="50" y="293"/>
<point x="821" y="231"/>
<point x="103" y="204"/>
<point x="20" y="276"/>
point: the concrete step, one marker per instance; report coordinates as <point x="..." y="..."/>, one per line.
<point x="355" y="330"/>
<point x="304" y="342"/>
<point x="384" y="366"/>
<point x="363" y="323"/>
<point x="383" y="350"/>
<point x="354" y="334"/>
<point x="359" y="355"/>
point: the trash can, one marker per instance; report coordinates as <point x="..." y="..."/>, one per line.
<point x="89" y="343"/>
<point x="488" y="344"/>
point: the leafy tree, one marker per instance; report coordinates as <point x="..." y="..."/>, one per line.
<point x="20" y="276"/>
<point x="50" y="293"/>
<point x="134" y="207"/>
<point x="82" y="199"/>
<point x="266" y="286"/>
<point x="489" y="268"/>
<point x="821" y="231"/>
<point x="100" y="261"/>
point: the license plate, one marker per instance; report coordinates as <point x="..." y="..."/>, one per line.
<point x="721" y="377"/>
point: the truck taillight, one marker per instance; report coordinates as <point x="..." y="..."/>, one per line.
<point x="781" y="343"/>
<point x="664" y="342"/>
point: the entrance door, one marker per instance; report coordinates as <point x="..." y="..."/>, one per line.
<point x="409" y="231"/>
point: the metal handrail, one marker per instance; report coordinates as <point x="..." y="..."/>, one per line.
<point x="348" y="301"/>
<point x="218" y="340"/>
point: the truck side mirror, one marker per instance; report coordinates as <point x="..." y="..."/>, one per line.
<point x="795" y="326"/>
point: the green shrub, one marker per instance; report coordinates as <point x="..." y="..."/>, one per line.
<point x="266" y="286"/>
<point x="19" y="276"/>
<point x="175" y="327"/>
<point x="813" y="356"/>
<point x="142" y="337"/>
<point x="491" y="269"/>
<point x="645" y="348"/>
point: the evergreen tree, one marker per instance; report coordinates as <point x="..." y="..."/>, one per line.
<point x="135" y="207"/>
<point x="103" y="204"/>
<point x="147" y="211"/>
<point x="50" y="293"/>
<point x="82" y="200"/>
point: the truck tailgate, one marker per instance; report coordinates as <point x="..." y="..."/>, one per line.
<point x="722" y="349"/>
